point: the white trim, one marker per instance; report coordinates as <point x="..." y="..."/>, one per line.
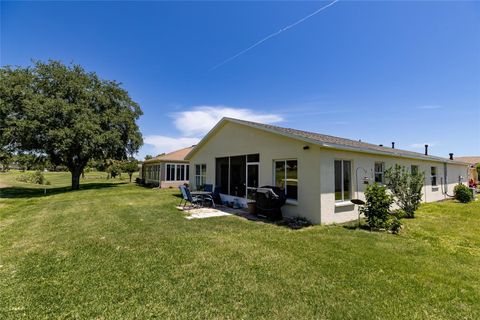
<point x="203" y="173"/>
<point x="175" y="166"/>
<point x="284" y="175"/>
<point x="382" y="172"/>
<point x="342" y="176"/>
<point x="343" y="204"/>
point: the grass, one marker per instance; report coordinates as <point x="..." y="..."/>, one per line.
<point x="115" y="250"/>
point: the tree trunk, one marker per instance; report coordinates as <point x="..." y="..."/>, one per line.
<point x="130" y="175"/>
<point x="76" y="172"/>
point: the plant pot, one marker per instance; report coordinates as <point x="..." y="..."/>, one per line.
<point x="252" y="207"/>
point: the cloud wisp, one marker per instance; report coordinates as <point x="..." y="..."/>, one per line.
<point x="195" y="122"/>
<point x="429" y="107"/>
<point x="199" y="120"/>
<point x="259" y="42"/>
<point x="162" y="144"/>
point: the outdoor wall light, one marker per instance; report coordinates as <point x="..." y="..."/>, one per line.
<point x="306" y="147"/>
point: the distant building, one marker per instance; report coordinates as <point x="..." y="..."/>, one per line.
<point x="167" y="170"/>
<point x="473" y="173"/>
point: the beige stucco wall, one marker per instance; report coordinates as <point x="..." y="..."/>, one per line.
<point x="316" y="200"/>
<point x="235" y="139"/>
<point x="333" y="212"/>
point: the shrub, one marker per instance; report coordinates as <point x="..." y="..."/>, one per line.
<point x="462" y="193"/>
<point x="36" y="177"/>
<point x="377" y="206"/>
<point x="406" y="188"/>
<point x="394" y="224"/>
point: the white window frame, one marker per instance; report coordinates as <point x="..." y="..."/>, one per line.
<point x="202" y="175"/>
<point x="342" y="175"/>
<point x="175" y="168"/>
<point x="289" y="200"/>
<point x="382" y="172"/>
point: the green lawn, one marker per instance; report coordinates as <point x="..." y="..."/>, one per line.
<point x="114" y="250"/>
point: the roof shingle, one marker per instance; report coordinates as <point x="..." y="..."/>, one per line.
<point x="332" y="141"/>
<point x="177" y="155"/>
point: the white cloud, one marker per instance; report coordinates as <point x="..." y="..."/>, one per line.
<point x="199" y="120"/>
<point x="422" y="145"/>
<point x="429" y="107"/>
<point x="195" y="122"/>
<point x="167" y="144"/>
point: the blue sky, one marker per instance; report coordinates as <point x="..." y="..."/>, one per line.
<point x="407" y="72"/>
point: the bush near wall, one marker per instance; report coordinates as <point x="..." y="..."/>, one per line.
<point x="462" y="193"/>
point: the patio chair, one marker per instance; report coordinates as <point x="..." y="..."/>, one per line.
<point x="187" y="197"/>
<point x="216" y="194"/>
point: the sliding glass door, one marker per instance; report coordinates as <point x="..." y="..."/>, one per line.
<point x="237" y="175"/>
<point x="252" y="180"/>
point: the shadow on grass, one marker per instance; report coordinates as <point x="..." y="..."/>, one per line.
<point x="26" y="192"/>
<point x="357" y="227"/>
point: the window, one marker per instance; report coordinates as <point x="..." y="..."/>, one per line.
<point x="200" y="175"/>
<point x="176" y="172"/>
<point x="414" y="169"/>
<point x="379" y="168"/>
<point x="343" y="180"/>
<point x="286" y="177"/>
<point x="433" y="176"/>
<point x="152" y="172"/>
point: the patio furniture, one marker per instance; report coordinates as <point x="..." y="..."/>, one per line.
<point x="269" y="201"/>
<point x="216" y="194"/>
<point x="187" y="197"/>
<point x="203" y="196"/>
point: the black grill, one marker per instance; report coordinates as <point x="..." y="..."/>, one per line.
<point x="269" y="201"/>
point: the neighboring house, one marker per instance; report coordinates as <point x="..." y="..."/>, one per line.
<point x="168" y="170"/>
<point x="318" y="173"/>
<point x="473" y="162"/>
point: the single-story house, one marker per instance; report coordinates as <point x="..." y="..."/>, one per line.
<point x="167" y="170"/>
<point x="473" y="162"/>
<point x="319" y="173"/>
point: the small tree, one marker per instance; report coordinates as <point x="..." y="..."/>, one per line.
<point x="113" y="168"/>
<point x="130" y="167"/>
<point x="377" y="206"/>
<point x="148" y="157"/>
<point x="68" y="114"/>
<point x="406" y="188"/>
<point x="5" y="160"/>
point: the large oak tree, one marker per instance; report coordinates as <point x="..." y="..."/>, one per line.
<point x="68" y="114"/>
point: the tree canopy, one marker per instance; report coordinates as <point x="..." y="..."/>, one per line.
<point x="68" y="114"/>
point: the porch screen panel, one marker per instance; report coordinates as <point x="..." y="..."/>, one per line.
<point x="221" y="174"/>
<point x="238" y="176"/>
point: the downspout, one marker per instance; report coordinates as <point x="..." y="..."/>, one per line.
<point x="443" y="191"/>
